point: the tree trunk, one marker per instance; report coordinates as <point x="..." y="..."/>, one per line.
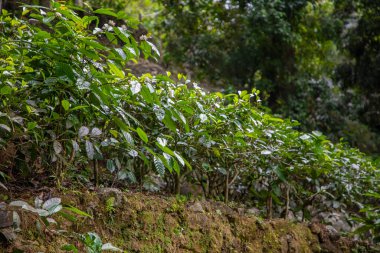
<point x="227" y="186"/>
<point x="96" y="172"/>
<point x="177" y="184"/>
<point x="269" y="206"/>
<point x="287" y="202"/>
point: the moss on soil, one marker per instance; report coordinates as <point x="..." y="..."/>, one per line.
<point x="146" y="223"/>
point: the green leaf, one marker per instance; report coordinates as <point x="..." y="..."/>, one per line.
<point x="88" y="19"/>
<point x="112" y="38"/>
<point x="128" y="138"/>
<point x="79" y="107"/>
<point x="43" y="35"/>
<point x="121" y="124"/>
<point x="65" y="104"/>
<point x="154" y="48"/>
<point x="115" y="70"/>
<point x="64" y="70"/>
<point x="165" y="149"/>
<point x="111" y="165"/>
<point x="169" y="123"/>
<point x="90" y="54"/>
<point x="94" y="44"/>
<point x="6" y="90"/>
<point x="148" y="97"/>
<point x="130" y="52"/>
<point x="106" y="11"/>
<point x="159" y="165"/>
<point x="143" y="136"/>
<point x="279" y="173"/>
<point x="179" y="158"/>
<point x="162" y="141"/>
<point x="70" y="247"/>
<point x="120" y="52"/>
<point x="47" y="20"/>
<point x="122" y="34"/>
<point x="31" y="125"/>
<point x="176" y="167"/>
<point x="77" y="211"/>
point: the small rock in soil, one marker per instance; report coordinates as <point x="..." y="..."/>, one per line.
<point x="253" y="211"/>
<point x="196" y="207"/>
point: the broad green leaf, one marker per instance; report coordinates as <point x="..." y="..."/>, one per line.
<point x="43" y="35"/>
<point x="69" y="247"/>
<point x="179" y="158"/>
<point x="88" y="19"/>
<point x="5" y="90"/>
<point x="128" y="138"/>
<point x="165" y="149"/>
<point x="279" y="173"/>
<point x="159" y="165"/>
<point x="121" y="124"/>
<point x="106" y="11"/>
<point x="79" y="107"/>
<point x="90" y="54"/>
<point x="153" y="47"/>
<point x="94" y="44"/>
<point x="143" y="136"/>
<point x="47" y="20"/>
<point x="176" y="167"/>
<point x="123" y="35"/>
<point x="111" y="165"/>
<point x="120" y="52"/>
<point x="162" y="141"/>
<point x="65" y="104"/>
<point x="115" y="70"/>
<point x="65" y="70"/>
<point x="169" y="123"/>
<point x="77" y="211"/>
<point x="148" y="97"/>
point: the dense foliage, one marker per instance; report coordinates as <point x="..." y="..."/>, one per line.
<point x="310" y="58"/>
<point x="69" y="111"/>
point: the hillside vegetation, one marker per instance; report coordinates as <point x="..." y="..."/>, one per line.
<point x="71" y="116"/>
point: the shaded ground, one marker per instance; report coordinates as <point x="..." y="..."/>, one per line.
<point x="146" y="223"/>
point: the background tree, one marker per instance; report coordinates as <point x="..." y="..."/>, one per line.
<point x="310" y="58"/>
